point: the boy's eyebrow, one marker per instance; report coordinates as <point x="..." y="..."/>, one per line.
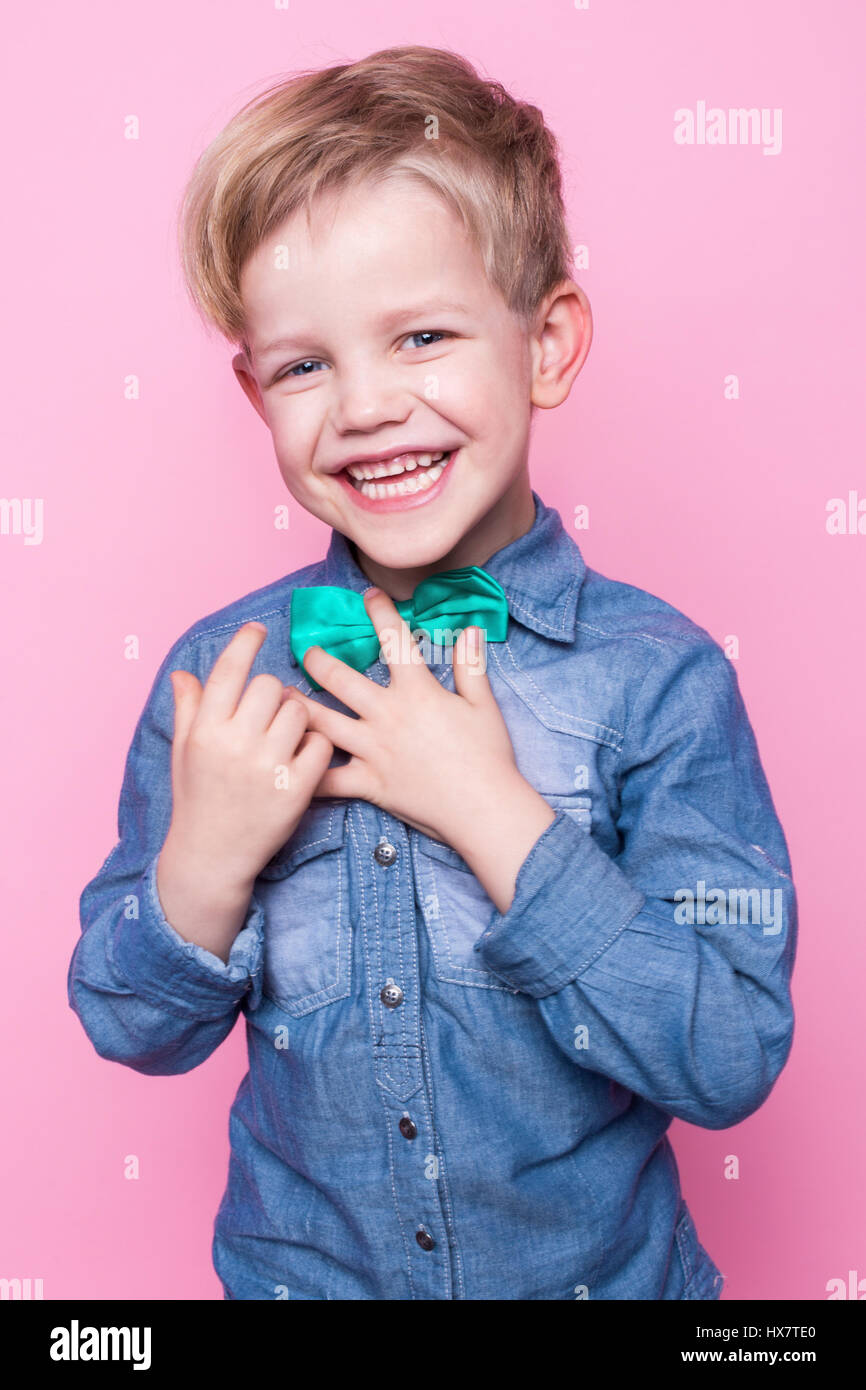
<point x="386" y="321"/>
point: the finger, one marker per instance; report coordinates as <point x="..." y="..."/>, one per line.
<point x="186" y="690"/>
<point x="312" y="757"/>
<point x="343" y="731"/>
<point x="259" y="703"/>
<point x="469" y="660"/>
<point x="287" y="728"/>
<point x="355" y="691"/>
<point x="399" y="649"/>
<point x="228" y="675"/>
<point x="348" y="781"/>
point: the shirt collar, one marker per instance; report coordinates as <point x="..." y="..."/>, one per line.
<point x="541" y="572"/>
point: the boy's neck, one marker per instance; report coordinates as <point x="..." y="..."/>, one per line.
<point x="510" y="518"/>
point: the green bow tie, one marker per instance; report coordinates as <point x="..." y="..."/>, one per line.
<point x="329" y="616"/>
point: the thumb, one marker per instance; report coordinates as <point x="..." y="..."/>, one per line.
<point x="470" y="666"/>
<point x="187" y="691"/>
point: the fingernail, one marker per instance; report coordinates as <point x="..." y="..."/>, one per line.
<point x="372" y="590"/>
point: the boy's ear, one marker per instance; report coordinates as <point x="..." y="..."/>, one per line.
<point x="560" y="342"/>
<point x="244" y="373"/>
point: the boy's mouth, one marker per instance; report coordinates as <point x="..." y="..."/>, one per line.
<point x="402" y="476"/>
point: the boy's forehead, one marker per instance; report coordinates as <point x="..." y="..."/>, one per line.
<point x="365" y="211"/>
<point x="375" y="249"/>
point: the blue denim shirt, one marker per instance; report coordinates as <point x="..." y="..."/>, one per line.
<point x="444" y="1101"/>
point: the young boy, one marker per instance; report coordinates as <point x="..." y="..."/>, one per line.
<point x="495" y="909"/>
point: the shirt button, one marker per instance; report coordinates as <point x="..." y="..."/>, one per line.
<point x="407" y="1128"/>
<point x="384" y="853"/>
<point x="391" y="995"/>
<point x="424" y="1239"/>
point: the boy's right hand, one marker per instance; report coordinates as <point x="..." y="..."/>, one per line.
<point x="244" y="767"/>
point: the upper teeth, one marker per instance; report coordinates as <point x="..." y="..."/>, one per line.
<point x="387" y="468"/>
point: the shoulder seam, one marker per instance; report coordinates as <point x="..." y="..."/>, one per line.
<point x="195" y="633"/>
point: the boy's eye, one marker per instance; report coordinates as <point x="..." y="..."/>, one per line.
<point x="428" y="333"/>
<point x="300" y="368"/>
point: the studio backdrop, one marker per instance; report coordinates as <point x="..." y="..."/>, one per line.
<point x="710" y="452"/>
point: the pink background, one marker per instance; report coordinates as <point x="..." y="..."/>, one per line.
<point x="704" y="261"/>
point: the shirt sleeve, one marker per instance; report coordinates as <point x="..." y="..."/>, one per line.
<point x="145" y="996"/>
<point x="667" y="966"/>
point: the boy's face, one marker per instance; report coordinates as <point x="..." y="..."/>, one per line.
<point x="395" y="342"/>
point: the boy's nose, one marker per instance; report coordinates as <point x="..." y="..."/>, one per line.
<point x="368" y="400"/>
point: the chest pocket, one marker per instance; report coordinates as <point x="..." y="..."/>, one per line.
<point x="303" y="890"/>
<point x="457" y="909"/>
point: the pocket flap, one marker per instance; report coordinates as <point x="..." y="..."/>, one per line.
<point x="444" y="853"/>
<point x="576" y="805"/>
<point x="321" y="828"/>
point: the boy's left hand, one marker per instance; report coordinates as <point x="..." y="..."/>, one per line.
<point x="440" y="760"/>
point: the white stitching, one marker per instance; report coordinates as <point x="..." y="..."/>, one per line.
<point x="579" y="724"/>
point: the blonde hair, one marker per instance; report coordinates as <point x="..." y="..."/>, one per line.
<point x="491" y="158"/>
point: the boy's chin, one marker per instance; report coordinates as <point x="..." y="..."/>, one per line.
<point x="429" y="551"/>
<point x="408" y="540"/>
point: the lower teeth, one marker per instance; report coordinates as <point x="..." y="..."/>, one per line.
<point x="420" y="480"/>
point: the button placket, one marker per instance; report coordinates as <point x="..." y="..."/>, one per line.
<point x="394" y="972"/>
<point x="392" y="956"/>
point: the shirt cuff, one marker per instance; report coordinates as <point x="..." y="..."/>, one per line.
<point x="180" y="975"/>
<point x="570" y="903"/>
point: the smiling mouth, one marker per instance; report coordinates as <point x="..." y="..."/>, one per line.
<point x="401" y="477"/>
